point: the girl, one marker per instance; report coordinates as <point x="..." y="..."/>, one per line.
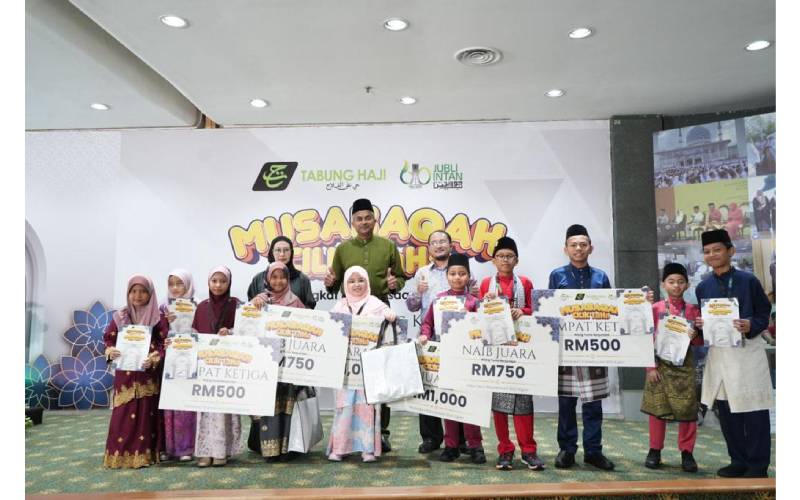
<point x="669" y="392"/>
<point x="179" y="426"/>
<point x="132" y="440"/>
<point x="274" y="431"/>
<point x="356" y="424"/>
<point x="281" y="250"/>
<point x="458" y="276"/>
<point x="218" y="435"/>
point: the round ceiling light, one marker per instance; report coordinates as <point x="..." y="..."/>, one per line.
<point x="259" y="103"/>
<point x="99" y="106"/>
<point x="757" y="45"/>
<point x="579" y="33"/>
<point x="407" y="100"/>
<point x="395" y="24"/>
<point x="478" y="56"/>
<point x="554" y="93"/>
<point x="174" y="21"/>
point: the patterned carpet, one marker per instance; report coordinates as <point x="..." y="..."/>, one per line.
<point x="65" y="453"/>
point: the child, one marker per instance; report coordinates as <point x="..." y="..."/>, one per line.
<point x="669" y="390"/>
<point x="737" y="378"/>
<point x="132" y="440"/>
<point x="458" y="276"/>
<point x="218" y="435"/>
<point x="273" y="442"/>
<point x="179" y="426"/>
<point x="356" y="424"/>
<point x="517" y="289"/>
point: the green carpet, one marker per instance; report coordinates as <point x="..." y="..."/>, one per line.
<point x="65" y="454"/>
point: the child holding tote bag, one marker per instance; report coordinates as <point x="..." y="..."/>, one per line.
<point x="458" y="276"/>
<point x="218" y="435"/>
<point x="356" y="424"/>
<point x="274" y="431"/>
<point x="179" y="426"/>
<point x="132" y="432"/>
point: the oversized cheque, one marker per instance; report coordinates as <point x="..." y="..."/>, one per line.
<point x="469" y="363"/>
<point x="313" y="343"/>
<point x="600" y="326"/>
<point x="230" y="374"/>
<point x="364" y="331"/>
<point x="471" y="407"/>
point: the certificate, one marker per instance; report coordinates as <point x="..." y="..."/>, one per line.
<point x="600" y="326"/>
<point x="313" y="344"/>
<point x="230" y="374"/>
<point x="471" y="407"/>
<point x="718" y="316"/>
<point x="498" y="325"/>
<point x="672" y="341"/>
<point x="251" y="321"/>
<point x="530" y="366"/>
<point x="364" y="331"/>
<point x="447" y="303"/>
<point x="183" y="309"/>
<point x="133" y="341"/>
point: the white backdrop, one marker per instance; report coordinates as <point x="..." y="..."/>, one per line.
<point x="106" y="205"/>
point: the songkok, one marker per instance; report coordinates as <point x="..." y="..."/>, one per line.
<point x="716" y="236"/>
<point x="458" y="259"/>
<point x="576" y="230"/>
<point x="362" y="204"/>
<point x="505" y="243"/>
<point x="674" y="268"/>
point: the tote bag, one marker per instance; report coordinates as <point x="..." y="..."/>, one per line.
<point x="391" y="372"/>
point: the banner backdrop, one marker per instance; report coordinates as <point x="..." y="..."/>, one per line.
<point x="210" y="197"/>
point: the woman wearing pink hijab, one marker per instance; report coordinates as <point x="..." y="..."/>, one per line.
<point x="735" y="221"/>
<point x="179" y="426"/>
<point x="132" y="440"/>
<point x="356" y="424"/>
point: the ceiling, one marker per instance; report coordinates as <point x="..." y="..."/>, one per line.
<point x="312" y="59"/>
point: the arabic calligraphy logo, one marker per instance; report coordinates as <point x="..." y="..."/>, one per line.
<point x="275" y="176"/>
<point x="416" y="181"/>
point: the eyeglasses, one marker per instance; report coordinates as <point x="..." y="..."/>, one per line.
<point x="439" y="243"/>
<point x="506" y="258"/>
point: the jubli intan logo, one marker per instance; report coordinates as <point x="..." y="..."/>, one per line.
<point x="275" y="176"/>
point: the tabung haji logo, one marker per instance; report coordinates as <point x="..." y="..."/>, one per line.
<point x="275" y="176"/>
<point x="444" y="176"/>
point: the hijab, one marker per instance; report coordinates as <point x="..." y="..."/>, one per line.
<point x="188" y="283"/>
<point x="293" y="273"/>
<point x="365" y="304"/>
<point x="147" y="314"/>
<point x="286" y="297"/>
<point x="218" y="301"/>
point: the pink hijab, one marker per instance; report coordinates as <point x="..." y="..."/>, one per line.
<point x="146" y="315"/>
<point x="372" y="306"/>
<point x="285" y="298"/>
<point x="186" y="277"/>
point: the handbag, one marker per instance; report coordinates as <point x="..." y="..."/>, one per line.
<point x="305" y="429"/>
<point x="391" y="372"/>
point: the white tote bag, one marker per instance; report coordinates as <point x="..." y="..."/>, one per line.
<point x="305" y="429"/>
<point x="391" y="372"/>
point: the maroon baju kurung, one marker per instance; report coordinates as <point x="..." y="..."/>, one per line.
<point x="133" y="432"/>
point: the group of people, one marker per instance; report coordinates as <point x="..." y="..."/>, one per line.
<point x="367" y="268"/>
<point x="730" y="217"/>
<point x="708" y="172"/>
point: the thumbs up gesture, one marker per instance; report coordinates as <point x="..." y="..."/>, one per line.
<point x="391" y="280"/>
<point x="330" y="277"/>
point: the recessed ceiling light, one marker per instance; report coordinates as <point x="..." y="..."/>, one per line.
<point x="395" y="24"/>
<point x="174" y="21"/>
<point x="100" y="106"/>
<point x="579" y="33"/>
<point x="407" y="100"/>
<point x="259" y="103"/>
<point x="554" y="93"/>
<point x="757" y="45"/>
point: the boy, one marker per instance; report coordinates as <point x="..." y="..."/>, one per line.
<point x="669" y="392"/>
<point x="517" y="289"/>
<point x="458" y="276"/>
<point x="737" y="378"/>
<point x="590" y="383"/>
